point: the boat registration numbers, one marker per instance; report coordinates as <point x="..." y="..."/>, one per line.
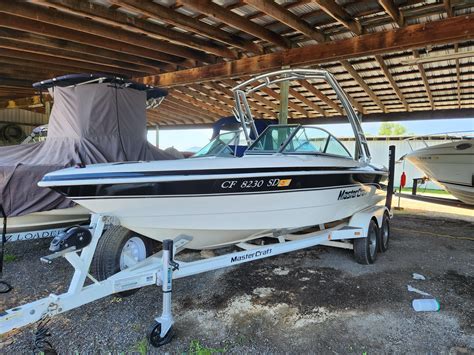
<point x="255" y="183"/>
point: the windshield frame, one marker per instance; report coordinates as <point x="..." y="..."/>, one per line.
<point x="281" y="149"/>
<point x="233" y="141"/>
<point x="283" y="145"/>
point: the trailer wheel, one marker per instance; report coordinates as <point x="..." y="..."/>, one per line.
<point x="119" y="249"/>
<point x="384" y="234"/>
<point x="365" y="249"/>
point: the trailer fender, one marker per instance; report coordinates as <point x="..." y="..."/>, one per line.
<point x="362" y="219"/>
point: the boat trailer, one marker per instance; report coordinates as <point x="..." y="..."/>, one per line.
<point x="162" y="268"/>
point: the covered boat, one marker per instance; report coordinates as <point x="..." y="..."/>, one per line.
<point x="95" y="119"/>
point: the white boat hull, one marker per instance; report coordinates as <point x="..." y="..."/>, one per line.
<point x="450" y="167"/>
<point x="222" y="201"/>
<point x="215" y="221"/>
<point x="47" y="219"/>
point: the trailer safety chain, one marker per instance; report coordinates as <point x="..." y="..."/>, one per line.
<point x="433" y="234"/>
<point x="5" y="287"/>
<point x="41" y="344"/>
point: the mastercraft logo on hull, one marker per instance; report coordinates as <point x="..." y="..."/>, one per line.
<point x="347" y="194"/>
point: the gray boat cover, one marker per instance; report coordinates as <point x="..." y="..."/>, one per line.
<point x="92" y="123"/>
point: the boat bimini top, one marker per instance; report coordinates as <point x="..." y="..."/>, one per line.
<point x="154" y="96"/>
<point x="243" y="113"/>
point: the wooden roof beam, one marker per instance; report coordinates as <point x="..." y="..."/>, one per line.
<point x="188" y="108"/>
<point x="392" y="81"/>
<point x="177" y="54"/>
<point x="352" y="72"/>
<point x="278" y="12"/>
<point x="162" y="118"/>
<point x="178" y="94"/>
<point x="54" y="62"/>
<point x="426" y="83"/>
<point x="165" y="14"/>
<point x="77" y="49"/>
<point x="16" y="62"/>
<point x="208" y="8"/>
<point x="15" y="83"/>
<point x="318" y="93"/>
<point x="30" y="74"/>
<point x="65" y="20"/>
<point x="451" y="30"/>
<point x="261" y="99"/>
<point x="24" y="24"/>
<point x="213" y="96"/>
<point x="276" y="95"/>
<point x="208" y="97"/>
<point x="226" y="91"/>
<point x="182" y="112"/>
<point x="338" y="13"/>
<point x="87" y="59"/>
<point x="104" y="15"/>
<point x="393" y="11"/>
<point x="311" y="105"/>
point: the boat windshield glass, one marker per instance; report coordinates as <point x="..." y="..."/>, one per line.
<point x="298" y="139"/>
<point x="272" y="139"/>
<point x="222" y="145"/>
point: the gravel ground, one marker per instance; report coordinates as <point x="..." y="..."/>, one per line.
<point x="313" y="301"/>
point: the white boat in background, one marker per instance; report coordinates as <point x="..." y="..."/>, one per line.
<point x="451" y="165"/>
<point x="45" y="224"/>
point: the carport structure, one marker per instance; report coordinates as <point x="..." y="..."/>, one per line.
<point x="396" y="59"/>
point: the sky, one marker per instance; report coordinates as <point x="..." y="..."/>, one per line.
<point x="183" y="140"/>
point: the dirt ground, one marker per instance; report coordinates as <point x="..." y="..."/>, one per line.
<point x="312" y="301"/>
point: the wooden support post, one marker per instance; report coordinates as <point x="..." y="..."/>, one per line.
<point x="283" y="114"/>
<point x="47" y="108"/>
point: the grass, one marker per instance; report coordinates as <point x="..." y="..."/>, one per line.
<point x="141" y="347"/>
<point x="421" y="190"/>
<point x="9" y="258"/>
<point x="195" y="348"/>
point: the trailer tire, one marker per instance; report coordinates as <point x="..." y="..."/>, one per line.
<point x="384" y="233"/>
<point x="109" y="256"/>
<point x="365" y="249"/>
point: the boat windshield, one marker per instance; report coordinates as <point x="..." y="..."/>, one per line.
<point x="222" y="145"/>
<point x="295" y="139"/>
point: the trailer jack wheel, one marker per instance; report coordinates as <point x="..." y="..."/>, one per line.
<point x="155" y="338"/>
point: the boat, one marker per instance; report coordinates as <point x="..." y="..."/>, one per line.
<point x="291" y="176"/>
<point x="84" y="128"/>
<point x="285" y="191"/>
<point x="450" y="165"/>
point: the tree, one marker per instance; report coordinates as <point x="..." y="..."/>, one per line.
<point x="392" y="129"/>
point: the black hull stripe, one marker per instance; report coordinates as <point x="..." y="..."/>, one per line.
<point x="377" y="186"/>
<point x="221" y="186"/>
<point x="125" y="175"/>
